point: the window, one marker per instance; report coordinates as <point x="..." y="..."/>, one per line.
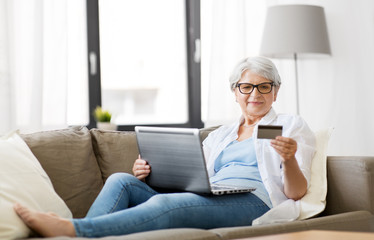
<point x="147" y="71"/>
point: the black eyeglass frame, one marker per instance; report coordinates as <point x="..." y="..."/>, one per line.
<point x="256" y="86"/>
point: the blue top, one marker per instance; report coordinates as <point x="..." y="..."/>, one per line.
<point x="237" y="165"/>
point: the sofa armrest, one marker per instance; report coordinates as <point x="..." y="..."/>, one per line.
<point x="350" y="184"/>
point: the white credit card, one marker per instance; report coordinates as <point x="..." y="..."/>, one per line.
<point x="269" y="131"/>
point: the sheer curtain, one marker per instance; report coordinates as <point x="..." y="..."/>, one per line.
<point x="230" y="31"/>
<point x="43" y="65"/>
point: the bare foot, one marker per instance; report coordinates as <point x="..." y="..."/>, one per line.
<point x="46" y="224"/>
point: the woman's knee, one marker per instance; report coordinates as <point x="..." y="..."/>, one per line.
<point x="160" y="202"/>
<point x="120" y="177"/>
<point x="173" y="200"/>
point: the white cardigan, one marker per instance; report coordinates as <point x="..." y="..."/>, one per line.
<point x="269" y="161"/>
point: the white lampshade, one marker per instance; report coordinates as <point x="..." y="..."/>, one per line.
<point x="295" y="29"/>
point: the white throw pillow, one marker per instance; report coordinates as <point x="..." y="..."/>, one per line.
<point x="23" y="180"/>
<point x="314" y="202"/>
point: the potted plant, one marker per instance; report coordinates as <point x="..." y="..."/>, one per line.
<point x="103" y="119"/>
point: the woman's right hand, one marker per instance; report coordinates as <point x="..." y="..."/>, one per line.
<point x="141" y="169"/>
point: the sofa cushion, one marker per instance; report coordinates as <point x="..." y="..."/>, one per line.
<point x="68" y="158"/>
<point x="314" y="201"/>
<point x="351" y="184"/>
<point x="204" y="132"/>
<point x="23" y="180"/>
<point x="115" y="151"/>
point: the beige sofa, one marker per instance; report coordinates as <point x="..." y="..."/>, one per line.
<point x="79" y="160"/>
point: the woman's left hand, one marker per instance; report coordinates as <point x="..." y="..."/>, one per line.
<point x="285" y="147"/>
<point x="295" y="184"/>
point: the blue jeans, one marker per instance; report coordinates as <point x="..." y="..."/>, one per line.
<point x="127" y="205"/>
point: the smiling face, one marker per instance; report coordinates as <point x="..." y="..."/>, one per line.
<point x="255" y="104"/>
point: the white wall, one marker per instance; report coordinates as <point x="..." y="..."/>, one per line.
<point x="334" y="91"/>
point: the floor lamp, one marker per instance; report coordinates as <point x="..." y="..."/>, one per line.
<point x="294" y="30"/>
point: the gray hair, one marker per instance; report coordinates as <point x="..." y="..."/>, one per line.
<point x="261" y="66"/>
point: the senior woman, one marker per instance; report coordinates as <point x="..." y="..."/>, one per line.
<point x="279" y="169"/>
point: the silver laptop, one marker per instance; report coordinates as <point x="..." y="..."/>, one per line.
<point x="177" y="161"/>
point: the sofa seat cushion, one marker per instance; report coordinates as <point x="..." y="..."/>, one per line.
<point x="362" y="221"/>
<point x="167" y="234"/>
<point x="68" y="158"/>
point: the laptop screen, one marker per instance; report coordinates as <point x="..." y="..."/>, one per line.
<point x="176" y="158"/>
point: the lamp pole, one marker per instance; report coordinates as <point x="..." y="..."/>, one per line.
<point x="296" y="85"/>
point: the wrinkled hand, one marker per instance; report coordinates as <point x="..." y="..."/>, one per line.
<point x="141" y="169"/>
<point x="285" y="147"/>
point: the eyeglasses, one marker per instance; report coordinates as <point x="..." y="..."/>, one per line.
<point x="247" y="88"/>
